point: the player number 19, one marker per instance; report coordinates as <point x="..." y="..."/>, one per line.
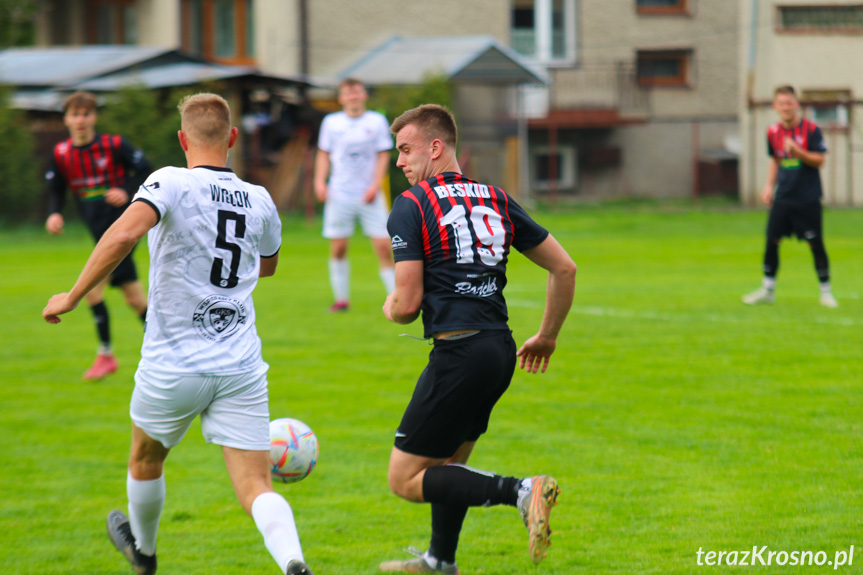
<point x="488" y="227"/>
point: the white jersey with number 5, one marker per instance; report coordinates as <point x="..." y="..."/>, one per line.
<point x="204" y="264"/>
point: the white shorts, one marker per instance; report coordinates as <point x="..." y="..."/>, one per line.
<point x="340" y="218"/>
<point x="234" y="409"/>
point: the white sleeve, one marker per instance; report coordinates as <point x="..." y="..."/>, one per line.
<point x="385" y="138"/>
<point x="157" y="191"/>
<point x="324" y="139"/>
<point x="271" y="240"/>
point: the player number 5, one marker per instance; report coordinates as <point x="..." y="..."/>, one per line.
<point x="222" y="243"/>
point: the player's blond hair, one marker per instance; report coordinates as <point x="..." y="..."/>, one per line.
<point x="206" y="118"/>
<point x="432" y="120"/>
<point x="80" y="100"/>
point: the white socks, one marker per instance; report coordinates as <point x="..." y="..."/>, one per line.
<point x="146" y="499"/>
<point x="388" y="276"/>
<point x="275" y="521"/>
<point x="340" y="273"/>
<point x="340" y="279"/>
<point x="768" y="283"/>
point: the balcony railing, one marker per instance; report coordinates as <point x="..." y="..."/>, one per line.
<point x="608" y="88"/>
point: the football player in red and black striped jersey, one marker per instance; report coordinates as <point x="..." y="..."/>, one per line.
<point x="451" y="238"/>
<point x="793" y="190"/>
<point x="102" y="172"/>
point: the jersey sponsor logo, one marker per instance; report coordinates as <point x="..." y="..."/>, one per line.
<point x="484" y="289"/>
<point x="92" y="194"/>
<point x="462" y="190"/>
<point x="217" y="317"/>
<point x="102" y="163"/>
<point x="789" y="163"/>
<point x="153" y="186"/>
<point x="236" y="198"/>
<point x="398" y="242"/>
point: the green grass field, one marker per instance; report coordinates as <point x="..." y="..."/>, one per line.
<point x="674" y="417"/>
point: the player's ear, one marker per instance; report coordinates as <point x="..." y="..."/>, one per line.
<point x="233" y="139"/>
<point x="184" y="141"/>
<point x="436" y="149"/>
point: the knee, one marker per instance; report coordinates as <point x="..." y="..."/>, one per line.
<point x="145" y="469"/>
<point x="137" y="302"/>
<point x="409" y="489"/>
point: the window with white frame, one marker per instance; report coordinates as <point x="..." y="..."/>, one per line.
<point x="561" y="171"/>
<point x="828" y="108"/>
<point x="544" y="30"/>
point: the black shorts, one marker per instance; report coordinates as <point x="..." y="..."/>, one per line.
<point x="456" y="392"/>
<point x="125" y="271"/>
<point x="803" y="219"/>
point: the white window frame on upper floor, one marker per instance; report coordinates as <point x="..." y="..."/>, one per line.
<point x="543" y="33"/>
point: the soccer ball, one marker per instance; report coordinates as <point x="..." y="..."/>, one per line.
<point x="293" y="450"/>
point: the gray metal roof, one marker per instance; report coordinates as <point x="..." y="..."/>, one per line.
<point x="458" y="58"/>
<point x="179" y="74"/>
<point x="68" y="65"/>
<point x="43" y="76"/>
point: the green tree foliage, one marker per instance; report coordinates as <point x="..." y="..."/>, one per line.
<point x="20" y="185"/>
<point x="393" y="100"/>
<point x="17" y="27"/>
<point x="148" y="119"/>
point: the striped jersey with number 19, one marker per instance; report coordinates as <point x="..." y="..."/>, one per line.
<point x="462" y="230"/>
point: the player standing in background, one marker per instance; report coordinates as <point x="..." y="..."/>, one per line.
<point x="796" y="148"/>
<point x="354" y="151"/>
<point x="211" y="235"/>
<point x="451" y="237"/>
<point x="102" y="171"/>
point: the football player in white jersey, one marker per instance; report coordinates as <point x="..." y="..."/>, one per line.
<point x="211" y="236"/>
<point x="353" y="151"/>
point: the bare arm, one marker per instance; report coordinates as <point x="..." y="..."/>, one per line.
<point x="770" y="185"/>
<point x="115" y="245"/>
<point x="268" y="266"/>
<point x="404" y="304"/>
<point x="549" y="255"/>
<point x="383" y="162"/>
<point x="322" y="172"/>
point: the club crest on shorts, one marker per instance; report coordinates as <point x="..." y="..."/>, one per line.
<point x="217" y="317"/>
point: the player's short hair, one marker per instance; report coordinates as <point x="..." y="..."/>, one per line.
<point x="350" y="82"/>
<point x="785" y="89"/>
<point x="80" y="100"/>
<point x="434" y="121"/>
<point x="206" y="118"/>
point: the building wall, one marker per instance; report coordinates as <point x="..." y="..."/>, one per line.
<point x="612" y="31"/>
<point x="659" y="153"/>
<point x="808" y="61"/>
<point x="338" y="42"/>
<point x="159" y="23"/>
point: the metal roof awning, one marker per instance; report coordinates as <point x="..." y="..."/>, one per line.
<point x="43" y="76"/>
<point x="51" y="67"/>
<point x="169" y="75"/>
<point x="481" y="59"/>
